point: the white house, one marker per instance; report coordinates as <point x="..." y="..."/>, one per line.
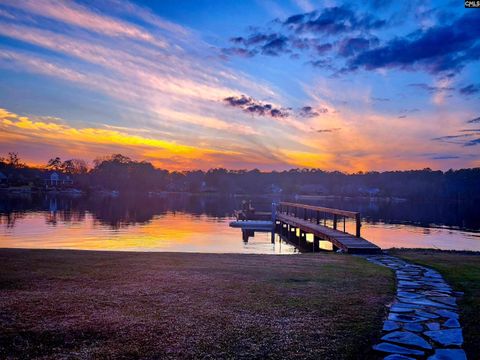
<point x="55" y="179"/>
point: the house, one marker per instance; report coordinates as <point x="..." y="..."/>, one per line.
<point x="3" y="178"/>
<point x="55" y="179"/>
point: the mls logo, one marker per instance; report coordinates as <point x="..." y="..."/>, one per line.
<point x="472" y="4"/>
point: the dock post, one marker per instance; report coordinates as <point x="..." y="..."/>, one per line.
<point x="335" y="221"/>
<point x="358" y="224"/>
<point x="274" y="212"/>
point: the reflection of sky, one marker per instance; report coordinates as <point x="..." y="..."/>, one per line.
<point x="388" y="236"/>
<point x="183" y="232"/>
<point x="149" y="79"/>
<point x="170" y="232"/>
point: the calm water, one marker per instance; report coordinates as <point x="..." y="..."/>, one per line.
<point x="200" y="224"/>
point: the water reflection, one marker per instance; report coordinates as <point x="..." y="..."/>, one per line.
<point x="200" y="223"/>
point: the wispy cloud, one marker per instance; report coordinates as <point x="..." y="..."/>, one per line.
<point x="76" y="15"/>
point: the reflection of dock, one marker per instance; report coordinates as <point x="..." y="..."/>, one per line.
<point x="299" y="220"/>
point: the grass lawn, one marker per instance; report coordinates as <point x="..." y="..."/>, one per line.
<point x="462" y="271"/>
<point x="79" y="304"/>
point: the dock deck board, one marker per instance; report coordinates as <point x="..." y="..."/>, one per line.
<point x="347" y="242"/>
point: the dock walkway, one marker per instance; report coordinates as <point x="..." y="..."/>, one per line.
<point x="310" y="222"/>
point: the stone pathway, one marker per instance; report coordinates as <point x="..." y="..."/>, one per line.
<point x="423" y="322"/>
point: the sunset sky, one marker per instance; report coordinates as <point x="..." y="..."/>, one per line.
<point x="370" y="85"/>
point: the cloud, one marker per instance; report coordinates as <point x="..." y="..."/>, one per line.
<point x="473" y="142"/>
<point x="256" y="107"/>
<point x="473" y="121"/>
<point x="275" y="46"/>
<point x="445" y="157"/>
<point x="405" y="112"/>
<point x="466" y="133"/>
<point x="16" y="128"/>
<point x="240" y="52"/>
<point x="77" y="15"/>
<point x="451" y="137"/>
<point x="353" y="45"/>
<point x="309" y="112"/>
<point x="332" y="20"/>
<point x="306" y="33"/>
<point x="470" y="89"/>
<point x="430" y="88"/>
<point x="380" y="99"/>
<point x="438" y="49"/>
<point x="328" y="130"/>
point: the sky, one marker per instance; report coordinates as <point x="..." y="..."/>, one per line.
<point x="349" y="86"/>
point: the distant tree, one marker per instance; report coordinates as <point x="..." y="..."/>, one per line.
<point x="74" y="166"/>
<point x="54" y="164"/>
<point x="13" y="160"/>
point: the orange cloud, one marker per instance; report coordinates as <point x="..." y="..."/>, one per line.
<point x="17" y="129"/>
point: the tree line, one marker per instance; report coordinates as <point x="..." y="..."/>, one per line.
<point x="121" y="173"/>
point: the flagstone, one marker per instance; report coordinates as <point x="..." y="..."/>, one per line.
<point x="407" y="338"/>
<point x="397" y="349"/>
<point x="448" y="354"/>
<point x="446" y="337"/>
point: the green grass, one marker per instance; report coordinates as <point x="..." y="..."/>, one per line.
<point x="82" y="304"/>
<point x="462" y="271"/>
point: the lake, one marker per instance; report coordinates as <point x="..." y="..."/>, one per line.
<point x="188" y="223"/>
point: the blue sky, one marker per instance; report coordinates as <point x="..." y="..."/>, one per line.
<point x="373" y="85"/>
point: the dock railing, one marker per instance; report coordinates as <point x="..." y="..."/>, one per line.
<point x="319" y="214"/>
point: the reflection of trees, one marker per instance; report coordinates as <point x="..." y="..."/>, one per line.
<point x="131" y="210"/>
<point x="10" y="219"/>
<point x="427" y="213"/>
<point x="126" y="211"/>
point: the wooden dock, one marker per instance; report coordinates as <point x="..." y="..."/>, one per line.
<point x="315" y="220"/>
<point x="243" y="215"/>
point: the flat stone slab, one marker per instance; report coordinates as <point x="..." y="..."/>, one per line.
<point x="433" y="326"/>
<point x="452" y="323"/>
<point x="397" y="349"/>
<point x="408" y="294"/>
<point x="445" y="300"/>
<point x="426" y="314"/>
<point x="407" y="338"/>
<point x="398" y="357"/>
<point x="446" y="337"/>
<point x="409" y="306"/>
<point x="427" y="302"/>
<point x="415" y="327"/>
<point x="405" y="318"/>
<point x="390" y="325"/>
<point x="448" y="354"/>
<point x="402" y="309"/>
<point x="447" y="314"/>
